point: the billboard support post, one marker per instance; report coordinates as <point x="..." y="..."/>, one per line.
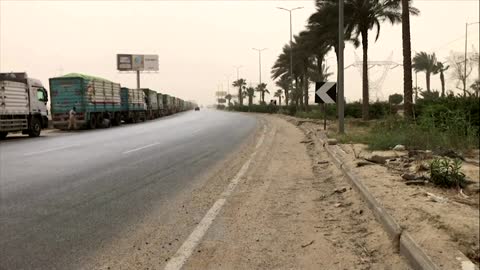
<point x="138" y="79"/>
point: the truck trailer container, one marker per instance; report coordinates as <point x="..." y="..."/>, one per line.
<point x="133" y="105"/>
<point x="94" y="98"/>
<point x="161" y="109"/>
<point x="23" y="104"/>
<point x="151" y="100"/>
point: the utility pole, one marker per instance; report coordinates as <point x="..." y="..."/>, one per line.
<point x="340" y="99"/>
<point x="465" y="65"/>
<point x="466" y="48"/>
<point x="259" y="63"/>
<point x="228" y="83"/>
<point x="291" y="42"/>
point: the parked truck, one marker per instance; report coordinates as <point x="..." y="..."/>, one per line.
<point x="161" y="108"/>
<point x="133" y="105"/>
<point x="151" y="100"/>
<point x="23" y="104"/>
<point x="94" y="98"/>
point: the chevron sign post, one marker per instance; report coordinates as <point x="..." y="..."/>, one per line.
<point x="325" y="92"/>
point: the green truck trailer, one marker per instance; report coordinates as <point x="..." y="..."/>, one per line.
<point x="95" y="99"/>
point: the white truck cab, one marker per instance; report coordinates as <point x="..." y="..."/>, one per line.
<point x="23" y="104"/>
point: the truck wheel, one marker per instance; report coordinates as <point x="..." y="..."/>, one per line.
<point x="100" y="120"/>
<point x="116" y="119"/>
<point x="92" y="124"/>
<point x="35" y="128"/>
<point x="3" y="135"/>
<point x="135" y="118"/>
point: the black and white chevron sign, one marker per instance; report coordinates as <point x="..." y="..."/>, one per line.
<point x="325" y="92"/>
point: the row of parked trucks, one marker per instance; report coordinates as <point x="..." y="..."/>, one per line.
<point x="98" y="103"/>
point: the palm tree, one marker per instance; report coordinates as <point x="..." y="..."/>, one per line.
<point x="363" y="16"/>
<point x="279" y="95"/>
<point x="407" y="59"/>
<point x="262" y="89"/>
<point x="250" y="91"/>
<point x="427" y="63"/>
<point x="229" y="97"/>
<point x="285" y="84"/>
<point x="240" y="83"/>
<point x="440" y="68"/>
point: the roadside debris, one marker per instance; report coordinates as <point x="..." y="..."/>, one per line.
<point x="451" y="154"/>
<point x="323" y="162"/>
<point x="399" y="147"/>
<point x="340" y="190"/>
<point x="310" y="243"/>
<point x="377" y="159"/>
<point x="435" y="198"/>
<point x="409" y="176"/>
<point x="363" y="163"/>
<point x="416" y="182"/>
<point x="332" y="141"/>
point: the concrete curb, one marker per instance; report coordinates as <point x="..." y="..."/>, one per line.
<point x="402" y="241"/>
<point x="414" y="253"/>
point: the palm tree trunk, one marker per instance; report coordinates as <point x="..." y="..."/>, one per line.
<point x="442" y="80"/>
<point x="407" y="61"/>
<point x="365" y="74"/>
<point x="300" y="93"/>
<point x="250" y="100"/>
<point x="286" y="96"/>
<point x="295" y="91"/>
<point x="240" y="97"/>
<point x="305" y="89"/>
<point x="427" y="74"/>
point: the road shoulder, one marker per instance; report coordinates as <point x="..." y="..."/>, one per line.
<point x="294" y="212"/>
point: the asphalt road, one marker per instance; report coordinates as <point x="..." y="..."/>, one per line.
<point x="62" y="197"/>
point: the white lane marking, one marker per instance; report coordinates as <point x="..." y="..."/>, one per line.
<point x="140" y="148"/>
<point x="196" y="131"/>
<point x="186" y="250"/>
<point x="48" y="150"/>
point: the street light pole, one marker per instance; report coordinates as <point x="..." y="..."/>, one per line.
<point x="237" y="68"/>
<point x="291" y="43"/>
<point x="259" y="63"/>
<point x="340" y="98"/>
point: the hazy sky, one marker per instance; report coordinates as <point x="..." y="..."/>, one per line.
<point x="199" y="42"/>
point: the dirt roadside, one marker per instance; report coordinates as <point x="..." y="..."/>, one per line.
<point x="443" y="227"/>
<point x="294" y="212"/>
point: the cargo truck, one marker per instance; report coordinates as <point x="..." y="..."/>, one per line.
<point x="23" y="104"/>
<point x="133" y="105"/>
<point x="95" y="100"/>
<point x="151" y="100"/>
<point x="161" y="109"/>
<point x="167" y="104"/>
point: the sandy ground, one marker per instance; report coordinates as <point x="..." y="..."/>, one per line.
<point x="442" y="229"/>
<point x="291" y="210"/>
<point x="285" y="214"/>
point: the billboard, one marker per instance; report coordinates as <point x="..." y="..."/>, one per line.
<point x="134" y="62"/>
<point x="150" y="62"/>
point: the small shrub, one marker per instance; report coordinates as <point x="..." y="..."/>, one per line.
<point x="292" y="110"/>
<point x="446" y="173"/>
